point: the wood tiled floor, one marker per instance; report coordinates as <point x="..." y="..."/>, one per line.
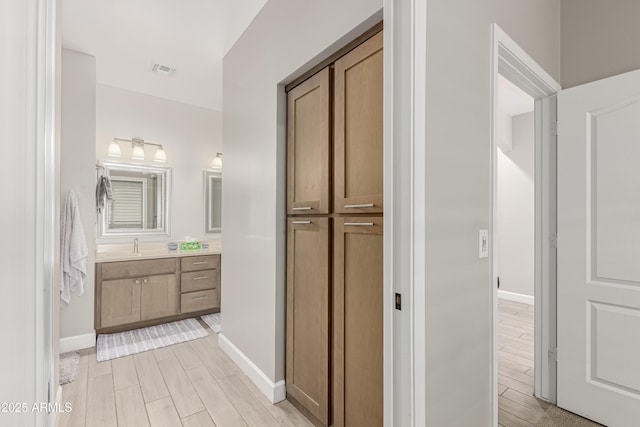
<point x="517" y="406"/>
<point x="193" y="384"/>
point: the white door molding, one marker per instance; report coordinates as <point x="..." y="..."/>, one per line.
<point x="404" y="212"/>
<point x="512" y="62"/>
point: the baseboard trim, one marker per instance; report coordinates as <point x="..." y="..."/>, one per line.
<point x="77" y="342"/>
<point x="512" y="296"/>
<point x="275" y="392"/>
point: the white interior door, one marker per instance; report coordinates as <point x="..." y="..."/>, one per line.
<point x="599" y="250"/>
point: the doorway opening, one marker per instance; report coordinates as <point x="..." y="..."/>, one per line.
<point x="522" y="229"/>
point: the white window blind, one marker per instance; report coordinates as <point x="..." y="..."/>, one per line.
<point x="127" y="205"/>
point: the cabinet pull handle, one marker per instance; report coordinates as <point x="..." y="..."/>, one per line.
<point x="358" y="224"/>
<point x="304" y="208"/>
<point x="145" y="280"/>
<point x="366" y="205"/>
<point x="300" y="222"/>
<point x="199" y="278"/>
<point x="137" y="281"/>
<point x="196" y="299"/>
<point x="201" y="262"/>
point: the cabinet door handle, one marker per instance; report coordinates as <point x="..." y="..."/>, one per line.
<point x="137" y="281"/>
<point x="201" y="262"/>
<point x="145" y="280"/>
<point x="358" y="224"/>
<point x="303" y="208"/>
<point x="366" y="205"/>
<point x="300" y="222"/>
<point x="197" y="298"/>
<point x="199" y="278"/>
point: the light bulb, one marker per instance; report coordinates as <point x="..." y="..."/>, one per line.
<point x="216" y="163"/>
<point x="160" y="156"/>
<point x="138" y="152"/>
<point x="114" y="149"/>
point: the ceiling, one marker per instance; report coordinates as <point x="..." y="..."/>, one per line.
<point x="128" y="37"/>
<point x="512" y="100"/>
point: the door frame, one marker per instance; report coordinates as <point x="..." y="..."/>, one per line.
<point x="512" y="62"/>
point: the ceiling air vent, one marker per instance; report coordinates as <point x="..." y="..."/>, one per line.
<point x="163" y="70"/>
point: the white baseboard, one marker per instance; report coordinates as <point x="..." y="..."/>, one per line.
<point x="512" y="296"/>
<point x="77" y="342"/>
<point x="275" y="392"/>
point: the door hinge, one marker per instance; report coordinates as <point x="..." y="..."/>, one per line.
<point x="553" y="354"/>
<point x="553" y="239"/>
<point x="554" y="128"/>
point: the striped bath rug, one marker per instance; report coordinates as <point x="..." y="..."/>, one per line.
<point x="213" y="320"/>
<point x="112" y="346"/>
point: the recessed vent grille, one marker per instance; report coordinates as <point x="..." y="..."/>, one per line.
<point x="163" y="69"/>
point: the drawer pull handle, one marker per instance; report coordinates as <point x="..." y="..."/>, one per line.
<point x="304" y="208"/>
<point x="196" y="299"/>
<point x="300" y="222"/>
<point x="201" y="262"/>
<point x="358" y="224"/>
<point x="199" y="278"/>
<point x="366" y="205"/>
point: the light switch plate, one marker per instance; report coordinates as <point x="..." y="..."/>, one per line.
<point x="483" y="244"/>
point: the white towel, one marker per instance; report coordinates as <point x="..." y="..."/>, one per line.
<point x="73" y="250"/>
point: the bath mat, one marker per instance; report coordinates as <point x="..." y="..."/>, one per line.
<point x="68" y="368"/>
<point x="112" y="346"/>
<point x="556" y="417"/>
<point x="213" y="320"/>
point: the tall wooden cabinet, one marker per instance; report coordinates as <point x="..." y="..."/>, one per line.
<point x="334" y="241"/>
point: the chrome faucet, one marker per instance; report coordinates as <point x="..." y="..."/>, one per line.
<point x="135" y="245"/>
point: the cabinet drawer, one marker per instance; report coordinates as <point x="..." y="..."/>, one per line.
<point x="205" y="262"/>
<point x="151" y="267"/>
<point x="199" y="280"/>
<point x="200" y="300"/>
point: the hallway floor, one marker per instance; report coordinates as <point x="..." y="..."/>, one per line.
<point x="517" y="407"/>
<point x="189" y="384"/>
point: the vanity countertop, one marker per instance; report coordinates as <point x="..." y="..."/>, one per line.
<point x="114" y="253"/>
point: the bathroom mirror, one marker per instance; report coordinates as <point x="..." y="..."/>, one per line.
<point x="141" y="200"/>
<point x="213" y="201"/>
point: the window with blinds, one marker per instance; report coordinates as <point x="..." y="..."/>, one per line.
<point x="127" y="207"/>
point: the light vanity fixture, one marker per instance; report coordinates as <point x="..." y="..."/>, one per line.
<point x="137" y="144"/>
<point x="216" y="163"/>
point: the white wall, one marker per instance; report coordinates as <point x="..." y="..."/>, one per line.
<point x="458" y="284"/>
<point x="285" y="36"/>
<point x="599" y="39"/>
<point x="77" y="173"/>
<point x="516" y="209"/>
<point x="190" y="135"/>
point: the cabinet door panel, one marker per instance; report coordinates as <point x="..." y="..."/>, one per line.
<point x="120" y="302"/>
<point x="358" y="132"/>
<point x="307" y="361"/>
<point x="308" y="146"/>
<point x="159" y="296"/>
<point x="357" y="311"/>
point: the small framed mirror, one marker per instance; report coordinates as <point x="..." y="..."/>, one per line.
<point x="141" y="201"/>
<point x="213" y="201"/>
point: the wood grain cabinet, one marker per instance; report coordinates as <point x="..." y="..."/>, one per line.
<point x="334" y="341"/>
<point x="358" y="151"/>
<point x="200" y="283"/>
<point x="134" y="294"/>
<point x="308" y="133"/>
<point x="159" y="296"/>
<point x="357" y="320"/>
<point x="308" y="314"/>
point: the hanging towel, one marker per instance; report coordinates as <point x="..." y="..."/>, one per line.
<point x="73" y="250"/>
<point x="103" y="191"/>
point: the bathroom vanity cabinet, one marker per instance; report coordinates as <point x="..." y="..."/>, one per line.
<point x="138" y="293"/>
